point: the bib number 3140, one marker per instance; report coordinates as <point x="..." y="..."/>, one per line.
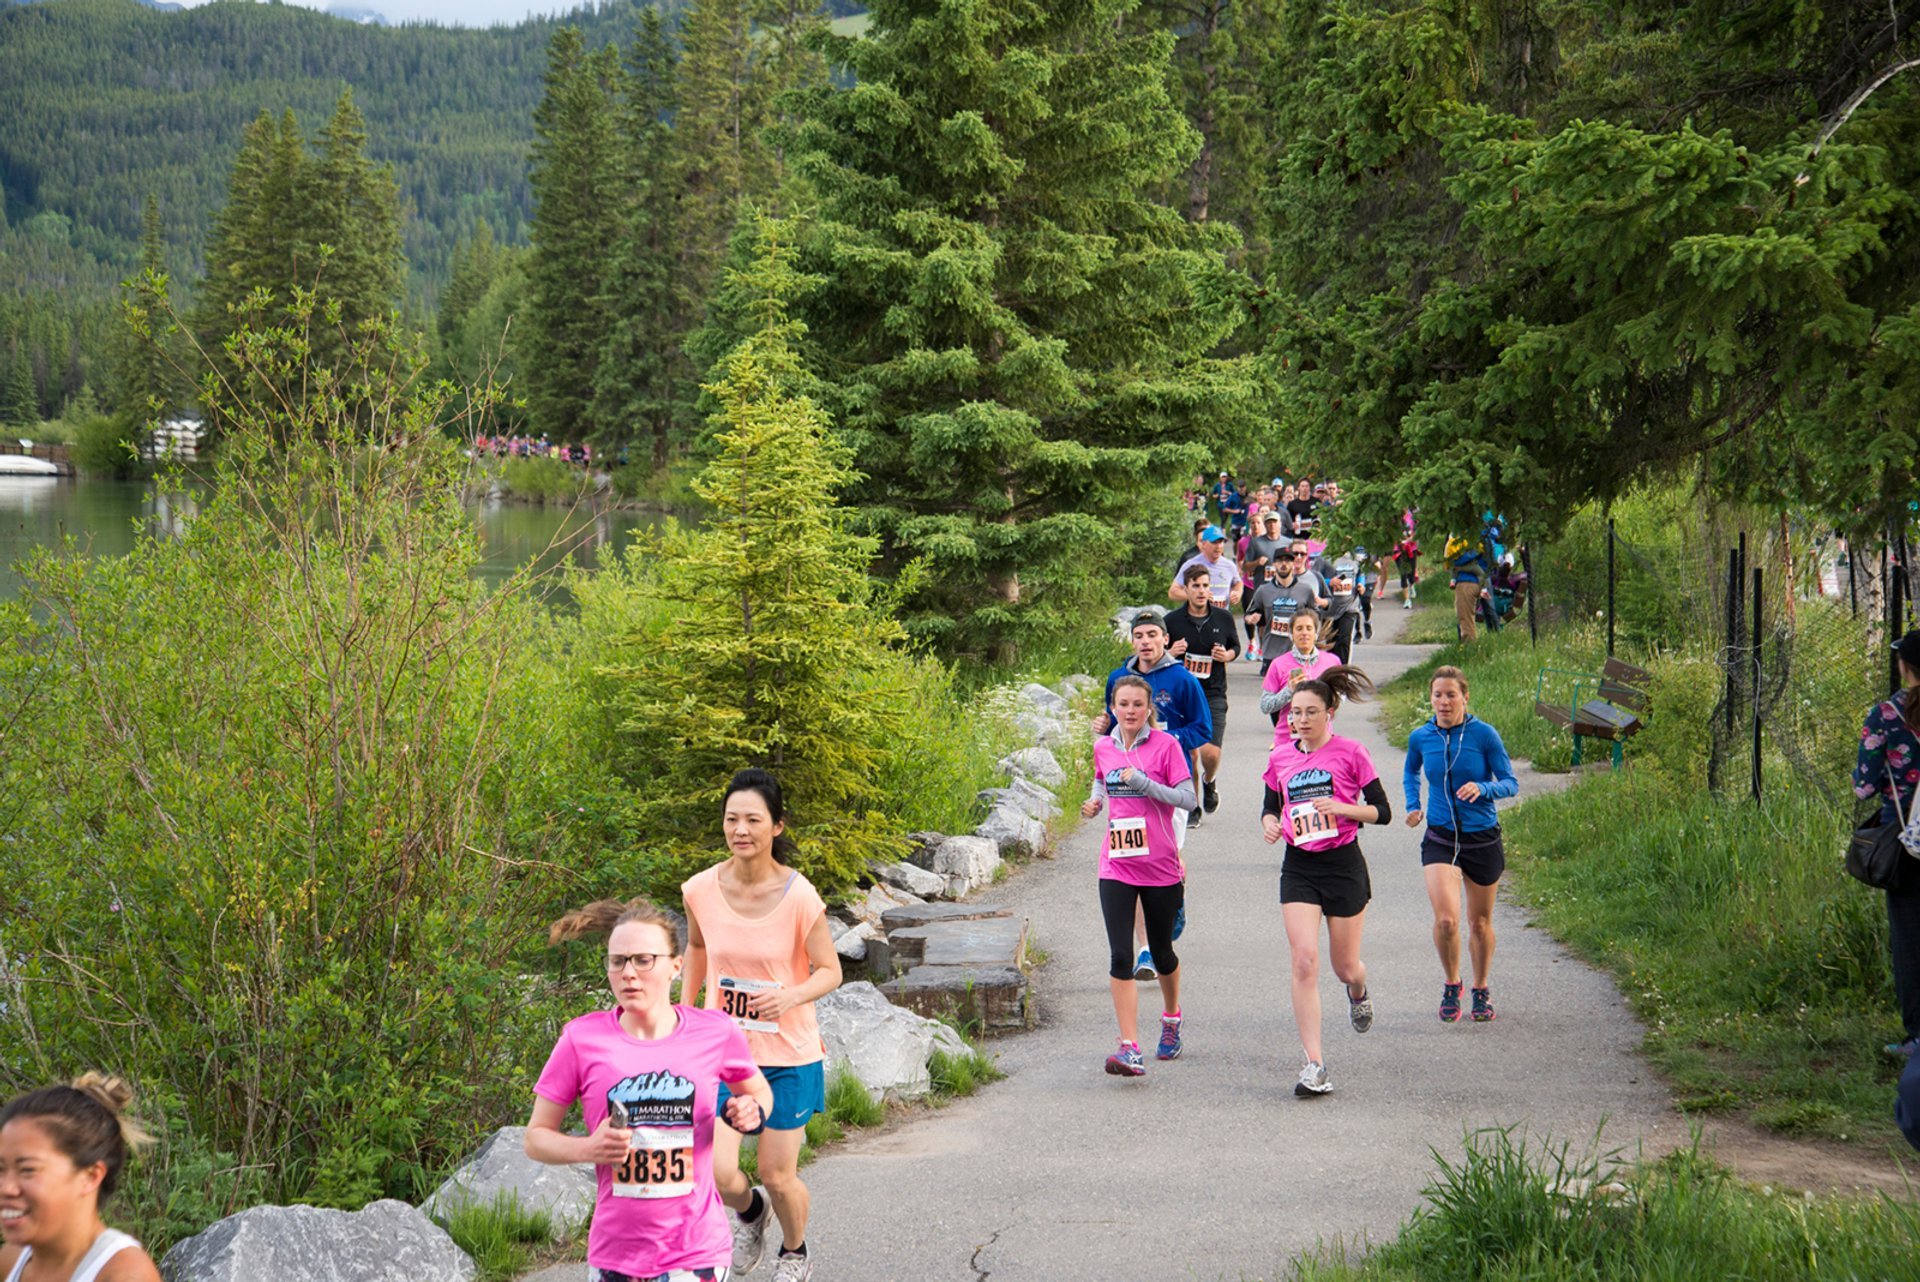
<point x="1127" y="838"/>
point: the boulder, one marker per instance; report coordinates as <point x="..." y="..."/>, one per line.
<point x="1042" y="727"/>
<point x="853" y="942"/>
<point x="991" y="941"/>
<point x="965" y="863"/>
<point x="921" y="841"/>
<point x="501" y="1167"/>
<point x="1042" y="698"/>
<point x="914" y="880"/>
<point x="1026" y="796"/>
<point x="386" y="1241"/>
<point x="1074" y="686"/>
<point x="1016" y="834"/>
<point x="884" y="1046"/>
<point x="1037" y="764"/>
<point x="878" y="898"/>
<point x="993" y="998"/>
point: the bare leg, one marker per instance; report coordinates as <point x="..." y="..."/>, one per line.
<point x="1343" y="950"/>
<point x="1443" y="892"/>
<point x="1126" y="1008"/>
<point x="1209" y="759"/>
<point x="1303" y="942"/>
<point x="780" y="1172"/>
<point x="734" y="1188"/>
<point x="1480" y="924"/>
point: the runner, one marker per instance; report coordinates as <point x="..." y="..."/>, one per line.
<point x="1343" y="609"/>
<point x="650" y="1078"/>
<point x="1300" y="507"/>
<point x="1181" y="706"/>
<point x="1203" y="639"/>
<point x="1303" y="661"/>
<point x="1466" y="769"/>
<point x="1406" y="559"/>
<point x="757" y="940"/>
<point x="1142" y="774"/>
<point x="1467" y="570"/>
<point x="1264" y="550"/>
<point x="1222" y="570"/>
<point x="1271" y="610"/>
<point x="62" y="1149"/>
<point x="1320" y="789"/>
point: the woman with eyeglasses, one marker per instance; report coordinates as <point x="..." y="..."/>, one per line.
<point x="1320" y="788"/>
<point x="758" y="943"/>
<point x="651" y="1079"/>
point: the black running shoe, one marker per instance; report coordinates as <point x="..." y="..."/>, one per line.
<point x="1212" y="802"/>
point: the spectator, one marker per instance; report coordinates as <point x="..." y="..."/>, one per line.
<point x="1889" y="769"/>
<point x="1467" y="571"/>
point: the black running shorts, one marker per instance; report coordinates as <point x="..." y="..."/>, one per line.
<point x="1334" y="879"/>
<point x="1480" y="855"/>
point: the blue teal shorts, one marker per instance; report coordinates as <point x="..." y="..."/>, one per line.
<point x="799" y="1091"/>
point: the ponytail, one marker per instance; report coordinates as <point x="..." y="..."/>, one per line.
<point x="602" y="915"/>
<point x="1343" y="682"/>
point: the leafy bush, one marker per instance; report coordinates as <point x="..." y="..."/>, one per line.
<point x="103" y="445"/>
<point x="279" y="845"/>
<point x="544" y="480"/>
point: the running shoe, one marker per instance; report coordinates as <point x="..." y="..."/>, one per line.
<point x="1143" y="966"/>
<point x="750" y="1240"/>
<point x="1212" y="800"/>
<point x="1193" y="817"/>
<point x="1903" y="1050"/>
<point x="1127" y="1061"/>
<point x="1180" y="921"/>
<point x="1407" y="604"/>
<point x="1360" y="1011"/>
<point x="1313" y="1080"/>
<point x="1169" y="1047"/>
<point x="788" y="1267"/>
<point x="1366" y="630"/>
<point x="1482" y="1005"/>
<point x="1450" y="1003"/>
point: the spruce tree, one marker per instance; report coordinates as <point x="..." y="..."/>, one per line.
<point x="576" y="221"/>
<point x="778" y="651"/>
<point x="351" y="206"/>
<point x="1018" y="332"/>
<point x="149" y="385"/>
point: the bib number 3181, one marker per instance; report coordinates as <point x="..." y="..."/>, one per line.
<point x="1127" y="838"/>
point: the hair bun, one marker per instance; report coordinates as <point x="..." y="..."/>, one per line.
<point x="115" y="1095"/>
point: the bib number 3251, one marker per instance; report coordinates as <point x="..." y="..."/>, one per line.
<point x="659" y="1163"/>
<point x="1127" y="838"/>
<point x="736" y="999"/>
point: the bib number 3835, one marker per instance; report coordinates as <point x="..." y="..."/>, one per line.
<point x="736" y="999"/>
<point x="1127" y="838"/>
<point x="659" y="1163"/>
<point x="1309" y="826"/>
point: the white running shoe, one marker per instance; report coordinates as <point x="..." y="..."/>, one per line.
<point x="1407" y="604"/>
<point x="1313" y="1080"/>
<point x="792" y="1268"/>
<point x="750" y="1240"/>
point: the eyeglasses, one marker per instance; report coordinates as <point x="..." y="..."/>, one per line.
<point x="642" y="962"/>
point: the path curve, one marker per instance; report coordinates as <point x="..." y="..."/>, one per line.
<point x="1209" y="1168"/>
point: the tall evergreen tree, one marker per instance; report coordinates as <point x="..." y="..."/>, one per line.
<point x="352" y="206"/>
<point x="643" y="381"/>
<point x="576" y="222"/>
<point x="1019" y="332"/>
<point x="19" y="400"/>
<point x="148" y="384"/>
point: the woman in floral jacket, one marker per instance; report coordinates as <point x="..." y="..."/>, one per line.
<point x="1889" y="768"/>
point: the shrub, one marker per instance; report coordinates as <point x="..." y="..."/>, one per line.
<point x="104" y="445"/>
<point x="544" y="480"/>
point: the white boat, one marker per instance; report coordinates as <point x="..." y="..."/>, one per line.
<point x="25" y="465"/>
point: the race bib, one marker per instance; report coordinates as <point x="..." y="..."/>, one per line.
<point x="1308" y="826"/>
<point x="1201" y="665"/>
<point x="1220" y="598"/>
<point x="1127" y="838"/>
<point x="736" y="1000"/>
<point x="1281" y="625"/>
<point x="659" y="1163"/>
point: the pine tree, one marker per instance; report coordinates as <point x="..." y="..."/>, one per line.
<point x="476" y="260"/>
<point x="576" y="219"/>
<point x="781" y="654"/>
<point x="19" y="400"/>
<point x="1019" y="332"/>
<point x="351" y="206"/>
<point x="149" y="386"/>
<point x="643" y="381"/>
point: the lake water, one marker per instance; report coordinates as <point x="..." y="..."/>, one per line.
<point x="105" y="516"/>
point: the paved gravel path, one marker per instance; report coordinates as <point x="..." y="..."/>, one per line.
<point x="1209" y="1167"/>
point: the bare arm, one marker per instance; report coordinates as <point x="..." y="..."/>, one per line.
<point x="825" y="977"/>
<point x="693" y="971"/>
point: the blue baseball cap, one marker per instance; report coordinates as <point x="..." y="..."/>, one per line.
<point x="1213" y="534"/>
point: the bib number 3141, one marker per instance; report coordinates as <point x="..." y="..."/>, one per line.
<point x="1127" y="838"/>
<point x="1310" y="827"/>
<point x="736" y="999"/>
<point x="659" y="1163"/>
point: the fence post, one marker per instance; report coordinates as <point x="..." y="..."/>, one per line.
<point x="1728" y="661"/>
<point x="1609" y="587"/>
<point x="1853" y="590"/>
<point x="1755" y="675"/>
<point x="1533" y="596"/>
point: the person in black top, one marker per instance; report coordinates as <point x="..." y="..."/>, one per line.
<point x="1204" y="639"/>
<point x="1300" y="507"/>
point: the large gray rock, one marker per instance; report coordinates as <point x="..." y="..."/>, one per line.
<point x="991" y="941"/>
<point x="914" y="880"/>
<point x="926" y="914"/>
<point x="964" y="863"/>
<point x="1043" y="727"/>
<point x="884" y="1046"/>
<point x="1044" y="699"/>
<point x="1026" y="796"/>
<point x="1016" y="834"/>
<point x="991" y="998"/>
<point x="853" y="941"/>
<point x="1073" y="686"/>
<point x="1036" y="764"/>
<point x="501" y="1167"/>
<point x="387" y="1241"/>
<point x="876" y="899"/>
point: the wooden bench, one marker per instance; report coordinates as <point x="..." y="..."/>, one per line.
<point x="1610" y="704"/>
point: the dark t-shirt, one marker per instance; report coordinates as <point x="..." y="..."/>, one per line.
<point x="1301" y="510"/>
<point x="1201" y="635"/>
<point x="1262" y="546"/>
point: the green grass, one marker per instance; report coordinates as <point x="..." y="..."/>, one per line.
<point x="956" y="1075"/>
<point x="543" y="480"/>
<point x="502" y="1237"/>
<point x="1505" y="1212"/>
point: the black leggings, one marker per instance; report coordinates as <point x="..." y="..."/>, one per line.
<point x="1161" y="905"/>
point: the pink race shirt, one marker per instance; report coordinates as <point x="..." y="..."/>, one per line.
<point x="1339" y="769"/>
<point x="658" y="1210"/>
<point x="1142" y="847"/>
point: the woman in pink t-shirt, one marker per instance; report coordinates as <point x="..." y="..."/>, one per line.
<point x="1305" y="661"/>
<point x="1320" y="789"/>
<point x="647" y="1076"/>
<point x="758" y="943"/>
<point x="1142" y="774"/>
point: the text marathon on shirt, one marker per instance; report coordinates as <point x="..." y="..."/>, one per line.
<point x="652" y="1099"/>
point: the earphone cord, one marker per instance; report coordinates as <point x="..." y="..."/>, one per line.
<point x="1450" y="753"/>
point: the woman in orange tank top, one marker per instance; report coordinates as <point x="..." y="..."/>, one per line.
<point x="758" y="943"/>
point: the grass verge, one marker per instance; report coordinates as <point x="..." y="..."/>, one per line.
<point x="503" y="1237"/>
<point x="1508" y="1212"/>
